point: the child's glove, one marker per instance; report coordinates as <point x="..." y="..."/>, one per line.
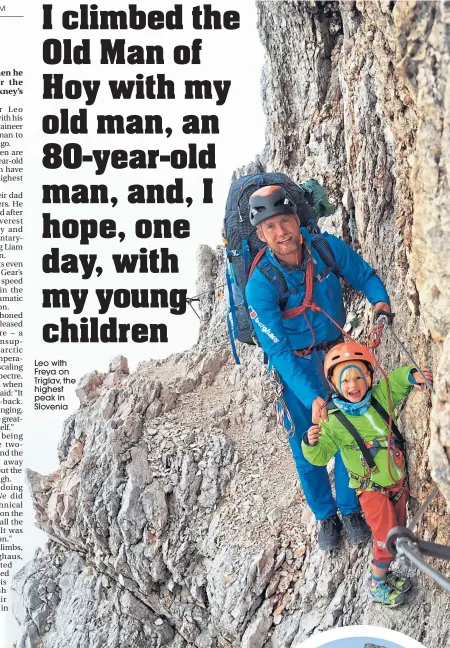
<point x="313" y="434"/>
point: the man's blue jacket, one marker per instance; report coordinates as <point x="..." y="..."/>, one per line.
<point x="279" y="338"/>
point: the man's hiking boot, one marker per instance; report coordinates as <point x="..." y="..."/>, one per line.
<point x="398" y="582"/>
<point x="356" y="528"/>
<point x="386" y="595"/>
<point x="329" y="533"/>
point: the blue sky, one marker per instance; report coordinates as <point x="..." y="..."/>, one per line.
<point x="360" y="642"/>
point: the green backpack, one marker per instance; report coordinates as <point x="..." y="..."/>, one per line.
<point x="317" y="196"/>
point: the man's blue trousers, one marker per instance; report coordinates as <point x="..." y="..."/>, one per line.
<point x="314" y="479"/>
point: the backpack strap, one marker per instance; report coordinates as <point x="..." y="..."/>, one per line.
<point x="275" y="276"/>
<point x="358" y="438"/>
<point x="231" y="316"/>
<point x="243" y="251"/>
<point x="321" y="245"/>
<point x="232" y="336"/>
<point x="385" y="416"/>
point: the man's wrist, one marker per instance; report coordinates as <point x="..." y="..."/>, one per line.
<point x="382" y="309"/>
<point x="382" y="306"/>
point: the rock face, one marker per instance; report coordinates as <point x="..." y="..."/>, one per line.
<point x="174" y="517"/>
<point x="362" y="105"/>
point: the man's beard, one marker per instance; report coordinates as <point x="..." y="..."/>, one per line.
<point x="286" y="248"/>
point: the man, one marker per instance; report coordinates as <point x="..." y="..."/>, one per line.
<point x="296" y="344"/>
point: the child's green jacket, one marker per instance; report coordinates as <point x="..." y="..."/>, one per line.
<point x="374" y="432"/>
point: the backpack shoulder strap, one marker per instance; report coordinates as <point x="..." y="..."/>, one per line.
<point x="274" y="275"/>
<point x="320" y="243"/>
<point x="385" y="416"/>
<point x="358" y="438"/>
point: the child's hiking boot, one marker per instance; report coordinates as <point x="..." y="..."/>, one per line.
<point x="329" y="533"/>
<point x="386" y="595"/>
<point x="398" y="582"/>
<point x="356" y="528"/>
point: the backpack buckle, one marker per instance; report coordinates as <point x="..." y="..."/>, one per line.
<point x="321" y="277"/>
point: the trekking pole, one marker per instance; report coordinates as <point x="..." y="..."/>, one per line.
<point x="382" y="319"/>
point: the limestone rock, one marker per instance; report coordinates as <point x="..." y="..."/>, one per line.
<point x="89" y="385"/>
<point x="119" y="363"/>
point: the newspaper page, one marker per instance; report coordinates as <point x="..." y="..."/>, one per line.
<point x="219" y="343"/>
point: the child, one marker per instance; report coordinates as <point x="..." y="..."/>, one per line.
<point x="359" y="428"/>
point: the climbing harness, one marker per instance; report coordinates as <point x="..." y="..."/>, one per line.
<point x="390" y="421"/>
<point x="402" y="541"/>
<point x="384" y="490"/>
<point x="343" y="420"/>
<point x="364" y="449"/>
<point x="308" y="304"/>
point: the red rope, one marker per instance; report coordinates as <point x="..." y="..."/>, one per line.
<point x="389" y="397"/>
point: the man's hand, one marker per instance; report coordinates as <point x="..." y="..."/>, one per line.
<point x="313" y="434"/>
<point x="376" y="331"/>
<point x="420" y="382"/>
<point x="319" y="410"/>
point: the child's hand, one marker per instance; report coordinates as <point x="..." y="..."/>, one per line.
<point x="313" y="434"/>
<point x="419" y="379"/>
